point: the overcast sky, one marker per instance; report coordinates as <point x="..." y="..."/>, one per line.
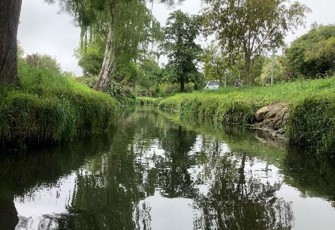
<point x="44" y="30"/>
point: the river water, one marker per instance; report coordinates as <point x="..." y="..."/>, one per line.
<point x="155" y="172"/>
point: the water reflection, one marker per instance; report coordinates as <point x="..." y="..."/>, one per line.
<point x="151" y="174"/>
<point x="239" y="199"/>
<point x="314" y="177"/>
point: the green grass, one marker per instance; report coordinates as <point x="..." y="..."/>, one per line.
<point x="48" y="107"/>
<point x="312" y="109"/>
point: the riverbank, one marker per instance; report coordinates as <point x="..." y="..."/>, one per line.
<point x="310" y="104"/>
<point x="48" y="107"/>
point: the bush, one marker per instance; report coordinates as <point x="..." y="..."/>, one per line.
<point x="312" y="55"/>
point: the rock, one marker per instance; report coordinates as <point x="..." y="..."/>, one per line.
<point x="271" y="111"/>
<point x="272" y="117"/>
<point x="261" y="113"/>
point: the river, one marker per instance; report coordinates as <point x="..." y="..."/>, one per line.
<point x="155" y="172"/>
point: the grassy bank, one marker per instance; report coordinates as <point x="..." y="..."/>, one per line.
<point x="312" y="105"/>
<point x="49" y="107"/>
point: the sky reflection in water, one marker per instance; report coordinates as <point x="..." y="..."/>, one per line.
<point x="155" y="174"/>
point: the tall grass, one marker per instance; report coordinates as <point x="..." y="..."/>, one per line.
<point x="312" y="109"/>
<point x="51" y="107"/>
<point x="312" y="125"/>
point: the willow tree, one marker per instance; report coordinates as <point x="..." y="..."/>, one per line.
<point x="121" y="24"/>
<point x="116" y="24"/>
<point x="251" y="27"/>
<point x="9" y="20"/>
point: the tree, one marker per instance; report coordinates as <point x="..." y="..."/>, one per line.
<point x="214" y="64"/>
<point x="237" y="199"/>
<point x="9" y="20"/>
<point x="252" y="26"/>
<point x="43" y="61"/>
<point x="120" y="24"/>
<point x="313" y="54"/>
<point x="148" y="73"/>
<point x="180" y="33"/>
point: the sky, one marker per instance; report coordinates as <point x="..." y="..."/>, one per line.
<point x="45" y="30"/>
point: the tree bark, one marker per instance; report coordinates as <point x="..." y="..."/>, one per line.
<point x="108" y="63"/>
<point x="247" y="68"/>
<point x="9" y="21"/>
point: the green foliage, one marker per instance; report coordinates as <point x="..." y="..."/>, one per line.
<point x="148" y="77"/>
<point x="214" y="63"/>
<point x="251" y="27"/>
<point x="168" y="89"/>
<point x="180" y="33"/>
<point x="264" y="77"/>
<point x="312" y="124"/>
<point x="44" y="62"/>
<point x="114" y="35"/>
<point x="90" y="58"/>
<point x="121" y="92"/>
<point x="312" y="55"/>
<point x="49" y="107"/>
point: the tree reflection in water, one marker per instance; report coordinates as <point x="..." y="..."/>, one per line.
<point x="237" y="199"/>
<point x="150" y="155"/>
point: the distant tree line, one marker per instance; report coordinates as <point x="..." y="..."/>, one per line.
<point x="122" y="45"/>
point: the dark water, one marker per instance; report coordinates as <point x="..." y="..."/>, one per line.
<point x="154" y="173"/>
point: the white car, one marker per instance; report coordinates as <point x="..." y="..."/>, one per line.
<point x="212" y="85"/>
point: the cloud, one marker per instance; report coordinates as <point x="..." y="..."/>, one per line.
<point x="44" y="30"/>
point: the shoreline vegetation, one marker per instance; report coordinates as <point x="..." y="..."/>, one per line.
<point x="310" y="123"/>
<point x="50" y="107"/>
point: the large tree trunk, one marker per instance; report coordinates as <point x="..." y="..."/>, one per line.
<point x="108" y="64"/>
<point x="9" y="21"/>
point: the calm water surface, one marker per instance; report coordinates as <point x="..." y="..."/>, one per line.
<point x="153" y="173"/>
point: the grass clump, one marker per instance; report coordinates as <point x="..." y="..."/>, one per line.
<point x="48" y="107"/>
<point x="312" y="125"/>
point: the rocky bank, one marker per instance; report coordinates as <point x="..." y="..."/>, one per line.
<point x="272" y="119"/>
